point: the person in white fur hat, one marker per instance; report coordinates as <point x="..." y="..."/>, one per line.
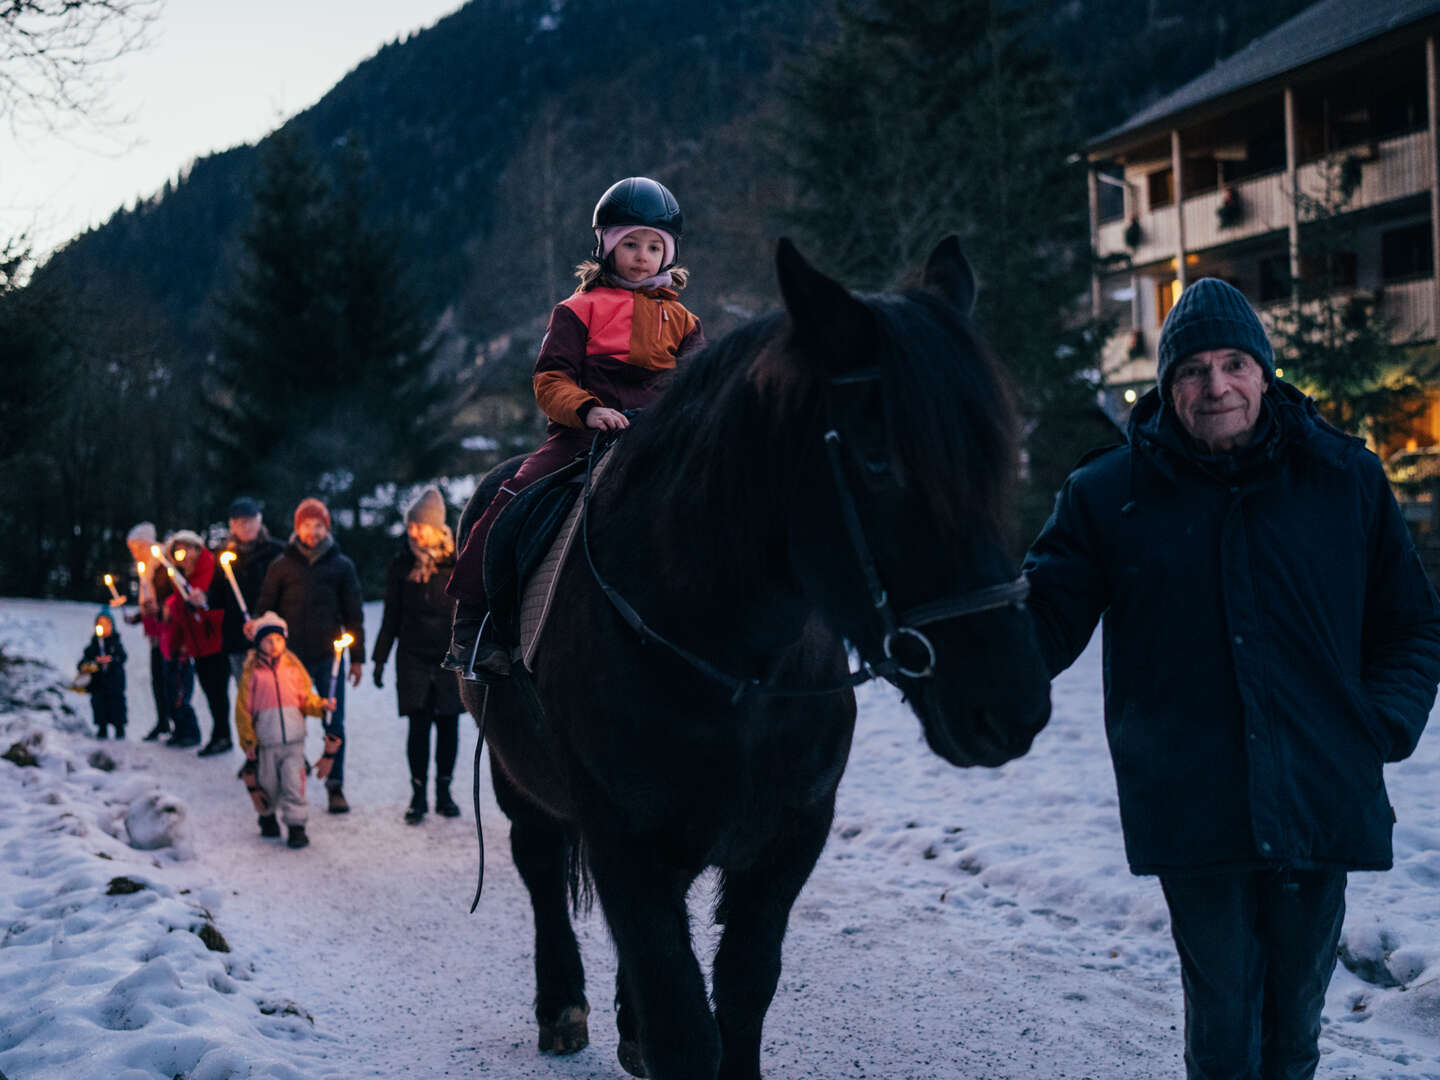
<point x="274" y="698"/>
<point x="609" y="350"/>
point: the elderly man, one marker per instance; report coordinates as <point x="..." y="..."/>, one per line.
<point x="1270" y="641"/>
<point x="254" y="550"/>
<point x="315" y="589"/>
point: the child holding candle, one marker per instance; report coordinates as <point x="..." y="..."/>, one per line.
<point x="104" y="659"/>
<point x="609" y="349"/>
<point x="274" y="697"/>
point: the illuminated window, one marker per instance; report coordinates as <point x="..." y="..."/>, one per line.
<point x="1166" y="293"/>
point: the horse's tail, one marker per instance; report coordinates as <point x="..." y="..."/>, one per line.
<point x="578" y="880"/>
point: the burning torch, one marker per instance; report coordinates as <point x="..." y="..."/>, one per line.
<point x="116" y="600"/>
<point x="100" y="635"/>
<point x="179" y="579"/>
<point x="226" y="558"/>
<point x="332" y="741"/>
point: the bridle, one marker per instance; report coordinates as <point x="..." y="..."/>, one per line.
<point x="894" y="629"/>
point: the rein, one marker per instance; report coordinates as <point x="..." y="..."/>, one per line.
<point x="893" y="629"/>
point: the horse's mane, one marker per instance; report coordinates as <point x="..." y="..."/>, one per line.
<point x="728" y="413"/>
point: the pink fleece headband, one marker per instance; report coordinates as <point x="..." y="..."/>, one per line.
<point x="612" y="235"/>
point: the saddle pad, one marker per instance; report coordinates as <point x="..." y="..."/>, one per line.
<point x="539" y="596"/>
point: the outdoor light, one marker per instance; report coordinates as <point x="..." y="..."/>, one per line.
<point x="1130" y="396"/>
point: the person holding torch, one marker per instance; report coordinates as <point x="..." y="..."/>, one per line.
<point x="313" y="586"/>
<point x="154" y="589"/>
<point x="244" y="557"/>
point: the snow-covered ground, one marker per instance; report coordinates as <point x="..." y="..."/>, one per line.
<point x="969" y="924"/>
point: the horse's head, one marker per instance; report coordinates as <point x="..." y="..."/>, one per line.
<point x="900" y="536"/>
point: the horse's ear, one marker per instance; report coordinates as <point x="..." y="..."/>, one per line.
<point x="823" y="311"/>
<point x="948" y="272"/>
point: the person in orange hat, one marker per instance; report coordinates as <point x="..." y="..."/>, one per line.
<point x="313" y="586"/>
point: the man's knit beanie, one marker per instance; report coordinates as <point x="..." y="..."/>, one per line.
<point x="1212" y="314"/>
<point x="311" y="508"/>
<point x="428" y="509"/>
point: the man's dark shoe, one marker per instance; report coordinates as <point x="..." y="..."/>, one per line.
<point x="183" y="742"/>
<point x="297" y="837"/>
<point x="215" y="746"/>
<point x="269" y="826"/>
<point x="337" y="803"/>
<point x="156" y="731"/>
<point x="444" y="804"/>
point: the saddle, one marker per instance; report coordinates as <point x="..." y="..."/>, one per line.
<point x="525" y="551"/>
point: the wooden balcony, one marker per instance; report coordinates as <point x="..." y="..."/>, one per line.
<point x="1391" y="169"/>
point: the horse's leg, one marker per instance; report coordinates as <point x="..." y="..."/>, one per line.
<point x="663" y="989"/>
<point x="541" y="849"/>
<point x="755" y="909"/>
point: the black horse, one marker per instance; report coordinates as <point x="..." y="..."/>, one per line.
<point x="835" y="474"/>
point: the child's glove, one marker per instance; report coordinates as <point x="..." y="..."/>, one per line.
<point x="327" y="759"/>
<point x="250" y="773"/>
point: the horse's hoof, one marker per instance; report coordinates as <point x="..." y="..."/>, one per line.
<point x="567" y="1033"/>
<point x="629" y="1054"/>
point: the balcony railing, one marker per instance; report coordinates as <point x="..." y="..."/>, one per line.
<point x="1390" y="169"/>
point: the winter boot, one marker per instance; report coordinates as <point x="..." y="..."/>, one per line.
<point x="161" y="728"/>
<point x="220" y="745"/>
<point x="415" y="813"/>
<point x="472" y="657"/>
<point x="337" y="803"/>
<point x="444" y="804"/>
<point x="297" y="837"/>
<point x="269" y="826"/>
<point x="100" y="732"/>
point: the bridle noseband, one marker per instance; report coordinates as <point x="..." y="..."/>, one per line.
<point x="893" y="630"/>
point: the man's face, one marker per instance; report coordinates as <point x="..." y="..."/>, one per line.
<point x="245" y="529"/>
<point x="1216" y="395"/>
<point x="311" y="531"/>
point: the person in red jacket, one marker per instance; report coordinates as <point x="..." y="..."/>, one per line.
<point x="196" y="633"/>
<point x="609" y="350"/>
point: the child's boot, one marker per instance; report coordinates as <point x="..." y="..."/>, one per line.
<point x="474" y="658"/>
<point x="444" y="804"/>
<point x="415" y="813"/>
<point x="297" y="837"/>
<point x="269" y="826"/>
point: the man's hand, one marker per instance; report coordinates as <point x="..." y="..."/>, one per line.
<point x="604" y="419"/>
<point x="356" y="670"/>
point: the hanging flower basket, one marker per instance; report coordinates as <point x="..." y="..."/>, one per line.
<point x="1133" y="234"/>
<point x="1231" y="210"/>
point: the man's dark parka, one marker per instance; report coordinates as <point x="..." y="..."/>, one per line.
<point x="320" y="600"/>
<point x="1270" y="638"/>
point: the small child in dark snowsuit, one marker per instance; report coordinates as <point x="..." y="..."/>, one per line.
<point x="608" y="349"/>
<point x="104" y="659"/>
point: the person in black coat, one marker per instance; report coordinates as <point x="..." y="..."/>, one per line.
<point x="315" y="589"/>
<point x="254" y="549"/>
<point x="417" y="618"/>
<point x="1270" y="642"/>
<point x="104" y="661"/>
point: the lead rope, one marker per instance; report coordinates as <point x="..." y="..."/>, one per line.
<point x="475" y="794"/>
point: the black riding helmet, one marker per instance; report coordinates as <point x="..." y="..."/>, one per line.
<point x="638" y="200"/>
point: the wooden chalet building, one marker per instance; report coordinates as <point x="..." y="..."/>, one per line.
<point x="1202" y="182"/>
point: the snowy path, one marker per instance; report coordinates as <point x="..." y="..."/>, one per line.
<point x="969" y="924"/>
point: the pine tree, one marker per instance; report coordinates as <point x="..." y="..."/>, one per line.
<point x="322" y="379"/>
<point x="1334" y="342"/>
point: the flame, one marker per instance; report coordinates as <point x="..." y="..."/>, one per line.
<point x="343" y="641"/>
<point x="140" y="568"/>
<point x="179" y="554"/>
<point x="109" y="580"/>
<point x="227" y="557"/>
<point x="99" y="630"/>
<point x="170" y="570"/>
<point x="155" y="550"/>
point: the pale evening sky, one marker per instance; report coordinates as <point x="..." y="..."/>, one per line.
<point x="217" y="74"/>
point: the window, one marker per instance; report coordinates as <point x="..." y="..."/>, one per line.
<point x="1160" y="188"/>
<point x="1406" y="253"/>
<point x="1166" y="293"/>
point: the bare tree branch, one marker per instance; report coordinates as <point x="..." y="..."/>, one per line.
<point x="52" y="54"/>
